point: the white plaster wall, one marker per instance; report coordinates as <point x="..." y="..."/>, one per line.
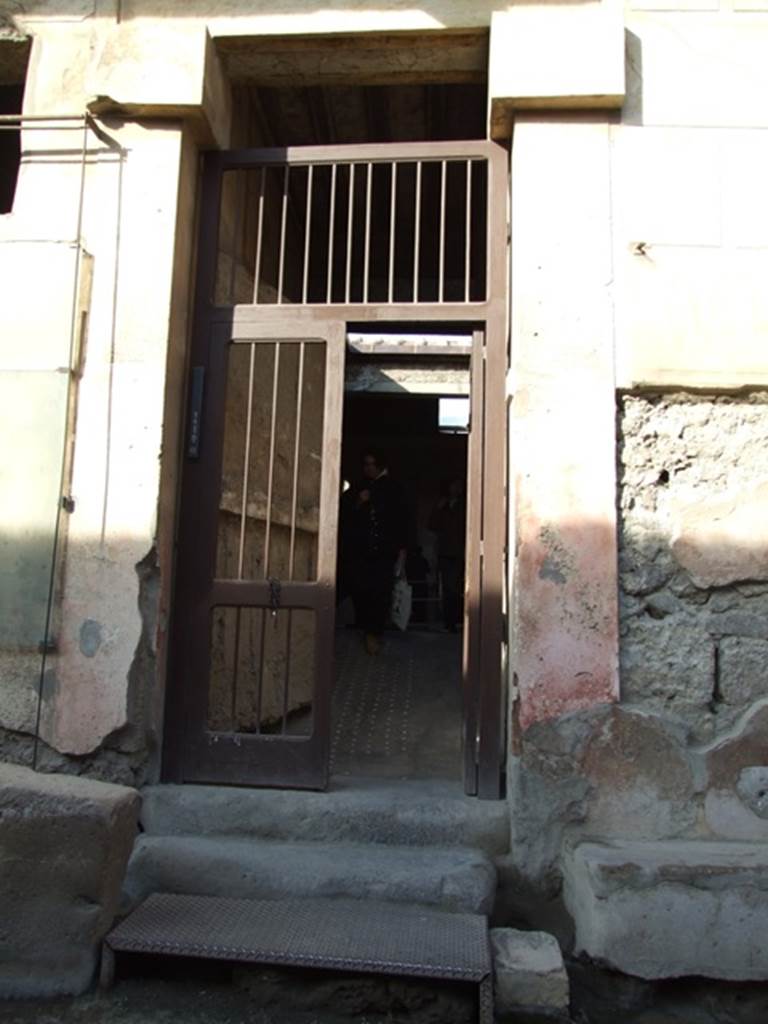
<point x="688" y="167"/>
<point x="129" y="226"/>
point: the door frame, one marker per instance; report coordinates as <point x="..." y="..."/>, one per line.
<point x="484" y="777"/>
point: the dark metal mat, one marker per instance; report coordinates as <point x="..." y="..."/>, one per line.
<point x="347" y="935"/>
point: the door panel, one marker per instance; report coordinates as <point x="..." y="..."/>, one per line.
<point x="473" y="569"/>
<point x="257" y="559"/>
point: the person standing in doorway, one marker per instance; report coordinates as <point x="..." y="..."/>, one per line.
<point x="449" y="522"/>
<point x="377" y="525"/>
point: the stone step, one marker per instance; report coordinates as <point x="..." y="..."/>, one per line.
<point x="671" y="908"/>
<point x="456" y="880"/>
<point x="425" y="813"/>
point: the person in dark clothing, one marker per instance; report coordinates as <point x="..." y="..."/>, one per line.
<point x="449" y="522"/>
<point x="375" y="520"/>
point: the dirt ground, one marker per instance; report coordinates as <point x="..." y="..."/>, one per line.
<point x="198" y="994"/>
<point x="192" y="992"/>
<point x="141" y="1001"/>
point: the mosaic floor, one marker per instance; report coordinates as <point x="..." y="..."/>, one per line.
<point x="397" y="714"/>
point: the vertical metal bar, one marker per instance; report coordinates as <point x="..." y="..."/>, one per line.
<point x="76" y="285"/>
<point x="471" y="654"/>
<point x="236" y="234"/>
<point x="281" y="253"/>
<point x="235" y="672"/>
<point x="350" y="225"/>
<point x="367" y="254"/>
<point x="246" y="463"/>
<point x="468" y="232"/>
<point x="441" y="255"/>
<point x="492" y="695"/>
<point x="307" y="233"/>
<point x="392" y="221"/>
<point x="296" y="454"/>
<point x="259" y="237"/>
<point x="271" y="468"/>
<point x="287" y="675"/>
<point x="417" y="234"/>
<point x="260" y="677"/>
<point x="331" y="221"/>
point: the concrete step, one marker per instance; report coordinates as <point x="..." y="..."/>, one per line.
<point x="456" y="880"/>
<point x="428" y="813"/>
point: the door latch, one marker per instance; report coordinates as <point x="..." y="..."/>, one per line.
<point x="274" y="596"/>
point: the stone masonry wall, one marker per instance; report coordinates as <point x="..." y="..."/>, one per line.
<point x="693" y="555"/>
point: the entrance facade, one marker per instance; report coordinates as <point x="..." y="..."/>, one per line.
<point x="297" y="249"/>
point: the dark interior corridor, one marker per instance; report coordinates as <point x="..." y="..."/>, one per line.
<point x="398" y="714"/>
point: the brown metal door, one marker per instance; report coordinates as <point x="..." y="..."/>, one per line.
<point x="254" y="614"/>
<point x="483" y="605"/>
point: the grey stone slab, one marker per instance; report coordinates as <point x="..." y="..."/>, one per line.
<point x="429" y="813"/>
<point x="64" y="845"/>
<point x="671" y="908"/>
<point x="529" y="973"/>
<point x="456" y="880"/>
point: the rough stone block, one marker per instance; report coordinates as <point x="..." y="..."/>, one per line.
<point x="64" y="846"/>
<point x="724" y="539"/>
<point x="743" y="670"/>
<point x="529" y="974"/>
<point x="672" y="908"/>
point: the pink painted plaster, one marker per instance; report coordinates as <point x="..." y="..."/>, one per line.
<point x="564" y="638"/>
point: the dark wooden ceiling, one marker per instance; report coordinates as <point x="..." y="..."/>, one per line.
<point x="369" y="87"/>
<point x="343" y="115"/>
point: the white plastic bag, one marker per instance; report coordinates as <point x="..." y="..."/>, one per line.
<point x="402" y="597"/>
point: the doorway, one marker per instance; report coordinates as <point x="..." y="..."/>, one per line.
<point x="396" y="711"/>
<point x="251" y="673"/>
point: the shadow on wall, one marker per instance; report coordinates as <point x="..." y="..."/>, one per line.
<point x="684" y="753"/>
<point x="98" y="668"/>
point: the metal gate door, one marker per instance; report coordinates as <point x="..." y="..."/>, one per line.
<point x="257" y="561"/>
<point x="295" y="245"/>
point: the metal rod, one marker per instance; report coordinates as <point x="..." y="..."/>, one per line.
<point x="281" y="252"/>
<point x="271" y="469"/>
<point x="287" y="674"/>
<point x="417" y="233"/>
<point x="60" y="123"/>
<point x="307" y="234"/>
<point x="238" y="223"/>
<point x="235" y="671"/>
<point x="350" y="225"/>
<point x="331" y="232"/>
<point x="246" y="462"/>
<point x="74" y="320"/>
<point x="260" y="677"/>
<point x="367" y="253"/>
<point x="17" y="124"/>
<point x="392" y="222"/>
<point x="296" y="454"/>
<point x="441" y="254"/>
<point x="468" y="232"/>
<point x="47" y="117"/>
<point x="259" y="238"/>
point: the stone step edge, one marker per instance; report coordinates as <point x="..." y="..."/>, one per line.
<point x="344" y="816"/>
<point x="458" y="879"/>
